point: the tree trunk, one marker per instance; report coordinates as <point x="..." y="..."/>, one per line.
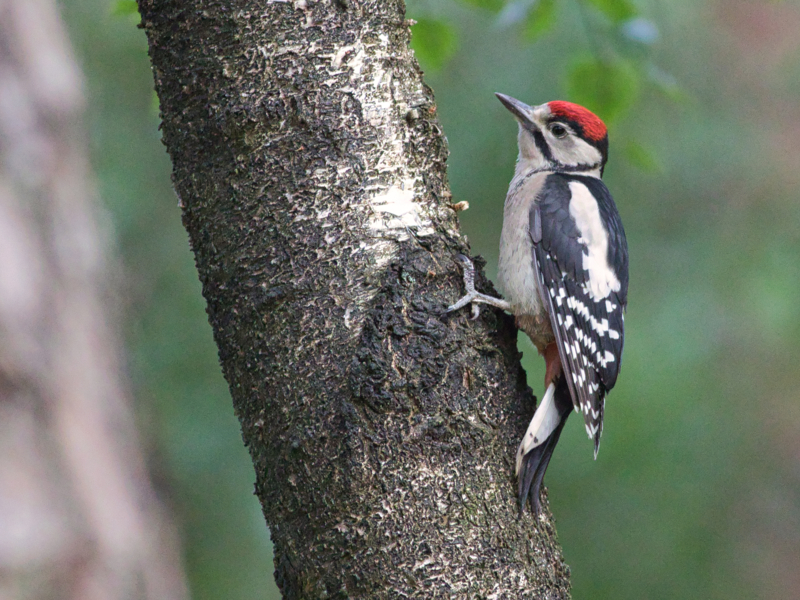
<point x="79" y="517"/>
<point x="311" y="171"/>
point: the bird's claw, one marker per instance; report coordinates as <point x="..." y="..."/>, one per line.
<point x="469" y="284"/>
<point x="476" y="311"/>
<point x="472" y="296"/>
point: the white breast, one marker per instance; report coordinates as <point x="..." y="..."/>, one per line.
<point x="516" y="275"/>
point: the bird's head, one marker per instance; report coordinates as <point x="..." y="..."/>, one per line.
<point x="559" y="135"/>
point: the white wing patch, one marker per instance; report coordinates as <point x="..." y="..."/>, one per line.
<point x="584" y="210"/>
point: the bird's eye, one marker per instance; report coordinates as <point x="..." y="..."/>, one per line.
<point x="558" y="130"/>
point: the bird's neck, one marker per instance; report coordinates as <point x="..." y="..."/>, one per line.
<point x="530" y="166"/>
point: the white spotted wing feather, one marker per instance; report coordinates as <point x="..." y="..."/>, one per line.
<point x="581" y="261"/>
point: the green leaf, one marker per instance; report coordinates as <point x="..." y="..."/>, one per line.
<point x="540" y="19"/>
<point x="642" y="157"/>
<point x="434" y="42"/>
<point x="492" y="5"/>
<point x="604" y="87"/>
<point x="122" y="8"/>
<point x="616" y="10"/>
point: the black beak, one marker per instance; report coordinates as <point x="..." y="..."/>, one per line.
<point x="517" y="108"/>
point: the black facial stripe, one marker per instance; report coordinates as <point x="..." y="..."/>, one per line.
<point x="541" y="143"/>
<point x="562" y="168"/>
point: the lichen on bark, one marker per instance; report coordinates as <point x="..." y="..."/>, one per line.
<point x="311" y="171"/>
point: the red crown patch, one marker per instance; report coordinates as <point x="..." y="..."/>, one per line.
<point x="593" y="127"/>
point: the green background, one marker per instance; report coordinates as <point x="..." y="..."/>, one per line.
<point x="696" y="490"/>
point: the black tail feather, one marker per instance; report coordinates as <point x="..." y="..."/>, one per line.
<point x="535" y="462"/>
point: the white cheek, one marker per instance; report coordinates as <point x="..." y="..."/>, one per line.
<point x="530" y="158"/>
<point x="573" y="151"/>
<point x="527" y="145"/>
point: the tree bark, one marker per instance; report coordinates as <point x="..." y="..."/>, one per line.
<point x="311" y="171"/>
<point x="79" y="516"/>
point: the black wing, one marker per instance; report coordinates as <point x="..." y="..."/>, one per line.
<point x="588" y="329"/>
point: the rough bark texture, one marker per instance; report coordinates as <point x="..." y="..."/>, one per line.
<point x="311" y="172"/>
<point x="79" y="518"/>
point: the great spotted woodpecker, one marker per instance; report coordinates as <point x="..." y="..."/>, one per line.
<point x="564" y="270"/>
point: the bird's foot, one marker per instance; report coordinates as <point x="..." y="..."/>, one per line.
<point x="472" y="296"/>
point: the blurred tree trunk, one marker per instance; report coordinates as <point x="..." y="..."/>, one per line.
<point x="78" y="515"/>
<point x="311" y="171"/>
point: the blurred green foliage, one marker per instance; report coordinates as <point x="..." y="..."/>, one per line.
<point x="493" y="5"/>
<point x="124" y="7"/>
<point x="434" y="42"/>
<point x="696" y="491"/>
<point x="606" y="79"/>
<point x="616" y="10"/>
<point x="541" y="18"/>
<point x="607" y="88"/>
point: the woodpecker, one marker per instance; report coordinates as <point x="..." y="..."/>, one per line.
<point x="563" y="268"/>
